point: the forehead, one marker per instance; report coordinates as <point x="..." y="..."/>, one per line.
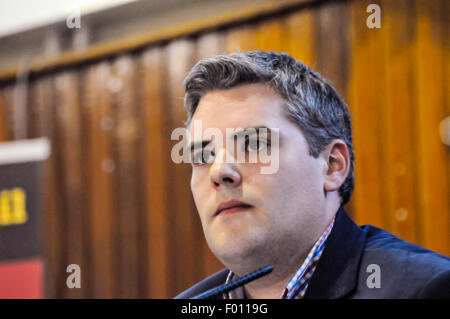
<point x="243" y="106"/>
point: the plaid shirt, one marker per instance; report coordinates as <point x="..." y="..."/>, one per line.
<point x="297" y="285"/>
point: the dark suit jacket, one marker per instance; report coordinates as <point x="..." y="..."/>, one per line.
<point x="405" y="270"/>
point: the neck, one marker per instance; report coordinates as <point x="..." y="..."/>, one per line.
<point x="272" y="285"/>
<point x="285" y="263"/>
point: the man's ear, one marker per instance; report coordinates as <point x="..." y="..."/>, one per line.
<point x="337" y="165"/>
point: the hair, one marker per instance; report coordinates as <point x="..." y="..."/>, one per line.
<point x="312" y="102"/>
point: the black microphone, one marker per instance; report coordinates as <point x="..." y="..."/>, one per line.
<point x="234" y="284"/>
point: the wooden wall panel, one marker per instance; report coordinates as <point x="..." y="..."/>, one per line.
<point x="430" y="154"/>
<point x="7" y="97"/>
<point x="53" y="234"/>
<point x="269" y="36"/>
<point x="300" y="36"/>
<point x="126" y="152"/>
<point x="445" y="13"/>
<point x="240" y="39"/>
<point x="3" y="119"/>
<point x="117" y="205"/>
<point x="68" y="127"/>
<point x="366" y="95"/>
<point x="398" y="33"/>
<point x="33" y="111"/>
<point x="332" y="44"/>
<point x="100" y="124"/>
<point x="156" y="145"/>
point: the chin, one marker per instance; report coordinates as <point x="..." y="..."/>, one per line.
<point x="233" y="249"/>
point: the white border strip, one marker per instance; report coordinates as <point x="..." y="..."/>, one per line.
<point x="24" y="151"/>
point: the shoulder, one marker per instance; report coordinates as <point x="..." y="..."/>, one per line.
<point x="212" y="281"/>
<point x="405" y="270"/>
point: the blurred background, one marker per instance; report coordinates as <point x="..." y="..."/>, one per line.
<point x="102" y="80"/>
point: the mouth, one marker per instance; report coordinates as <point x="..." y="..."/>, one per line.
<point x="232" y="206"/>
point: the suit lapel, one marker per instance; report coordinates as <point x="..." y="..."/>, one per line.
<point x="337" y="271"/>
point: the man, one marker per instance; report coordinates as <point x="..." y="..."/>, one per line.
<point x="292" y="218"/>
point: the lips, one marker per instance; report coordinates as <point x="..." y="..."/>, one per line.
<point x="231" y="204"/>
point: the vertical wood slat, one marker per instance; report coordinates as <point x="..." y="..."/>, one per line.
<point x="68" y="126"/>
<point x="128" y="213"/>
<point x="44" y="127"/>
<point x="179" y="56"/>
<point x="430" y="153"/>
<point x="446" y="47"/>
<point x="51" y="204"/>
<point x="398" y="36"/>
<point x="83" y="99"/>
<point x="269" y="36"/>
<point x="333" y="44"/>
<point x="3" y="119"/>
<point x="240" y="39"/>
<point x="33" y="112"/>
<point x="158" y="236"/>
<point x="8" y="111"/>
<point x="366" y="94"/>
<point x="20" y="110"/>
<point x="301" y="33"/>
<point x="209" y="45"/>
<point x="100" y="184"/>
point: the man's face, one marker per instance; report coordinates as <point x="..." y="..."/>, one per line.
<point x="284" y="208"/>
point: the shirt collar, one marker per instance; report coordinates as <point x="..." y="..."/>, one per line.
<point x="337" y="271"/>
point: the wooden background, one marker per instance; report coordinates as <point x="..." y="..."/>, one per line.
<point x="115" y="203"/>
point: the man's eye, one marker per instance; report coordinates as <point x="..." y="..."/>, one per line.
<point x="203" y="157"/>
<point x="256" y="144"/>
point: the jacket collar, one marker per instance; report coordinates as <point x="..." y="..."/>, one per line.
<point x="337" y="271"/>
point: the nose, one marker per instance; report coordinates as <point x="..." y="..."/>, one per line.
<point x="224" y="174"/>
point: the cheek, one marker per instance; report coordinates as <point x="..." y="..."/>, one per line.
<point x="199" y="189"/>
<point x="298" y="179"/>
